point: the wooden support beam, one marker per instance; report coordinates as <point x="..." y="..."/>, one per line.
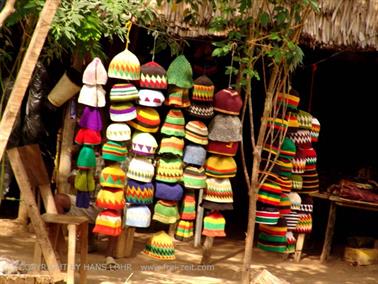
<point x="299" y="247"/>
<point x="206" y="250"/>
<point x="71" y="254"/>
<point x="199" y="218"/>
<point x="120" y="248"/>
<point x="172" y="230"/>
<point x="329" y="233"/>
<point x="129" y="241"/>
<point x="83" y="252"/>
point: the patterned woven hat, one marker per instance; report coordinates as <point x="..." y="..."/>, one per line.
<point x="122" y="112"/>
<point x="291" y="242"/>
<point x="177" y="97"/>
<point x="86" y="158"/>
<point x="203" y="89"/>
<point x="228" y="101"/>
<point x="84" y="180"/>
<point x="295" y="200"/>
<point x="125" y="65"/>
<point x="93" y="96"/>
<point x="166" y="212"/>
<point x="153" y="76"/>
<point x="225" y="128"/>
<point x="123" y="93"/>
<point x="110" y="198"/>
<point x="310" y="181"/>
<point x="311" y="159"/>
<point x="266" y="214"/>
<point x="184" y="231"/>
<point x="292" y="220"/>
<point x="220" y="167"/>
<point x="138" y="216"/>
<point x="188" y="208"/>
<point x="166" y="191"/>
<point x="114" y="151"/>
<point x="290" y="100"/>
<point x="172" y="145"/>
<point x="169" y="170"/>
<point x="301" y="138"/>
<point x="95" y="73"/>
<point x="91" y="118"/>
<point x="223" y="148"/>
<point x="180" y="73"/>
<point x="304" y="120"/>
<point x="297" y="182"/>
<point x="299" y="161"/>
<point x="194" y="178"/>
<point x="141" y="169"/>
<point x="143" y="144"/>
<point x="306" y="204"/>
<point x="108" y="222"/>
<point x="113" y="176"/>
<point x="269" y="193"/>
<point x="213" y="225"/>
<point x="218" y="190"/>
<point x="174" y="123"/>
<point x="285" y="204"/>
<point x="118" y="132"/>
<point x="315" y="129"/>
<point x="304" y="225"/>
<point x="88" y="137"/>
<point x="150" y="98"/>
<point x="196" y="132"/>
<point x="205" y="111"/>
<point x="147" y="120"/>
<point x="140" y="193"/>
<point x="160" y="246"/>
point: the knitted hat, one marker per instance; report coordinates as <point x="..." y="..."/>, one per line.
<point x="291" y="242"/>
<point x="91" y="118"/>
<point x="194" y="155"/>
<point x="166" y="212"/>
<point x="213" y="225"/>
<point x="204" y="111"/>
<point x="203" y="89"/>
<point x="188" y="208"/>
<point x="113" y="176"/>
<point x="143" y="144"/>
<point x="297" y="182"/>
<point x="292" y="121"/>
<point x="315" y="129"/>
<point x="141" y="169"/>
<point x="160" y="246"/>
<point x="271" y="241"/>
<point x="139" y="192"/>
<point x="299" y="161"/>
<point x="166" y="191"/>
<point x="174" y="123"/>
<point x="169" y="170"/>
<point x="304" y="225"/>
<point x="177" y="97"/>
<point x="86" y="158"/>
<point x="304" y="120"/>
<point x="184" y="231"/>
<point x="285" y="204"/>
<point x="283" y="167"/>
<point x="122" y="112"/>
<point x="93" y="96"/>
<point x="301" y="138"/>
<point x="125" y="65"/>
<point x="220" y="167"/>
<point x="225" y="128"/>
<point x="196" y="132"/>
<point x="118" y="132"/>
<point x="172" y="145"/>
<point x="284" y="182"/>
<point x="288" y="149"/>
<point x="194" y="178"/>
<point x="295" y="200"/>
<point x="223" y="148"/>
<point x="311" y="159"/>
<point x="114" y="151"/>
<point x="150" y="98"/>
<point x="108" y="222"/>
<point x="310" y="181"/>
<point x="123" y="93"/>
<point x="306" y="204"/>
<point x="84" y="180"/>
<point x="218" y="190"/>
<point x="277" y="124"/>
<point x="147" y="120"/>
<point x="269" y="193"/>
<point x="110" y="198"/>
<point x="180" y="73"/>
<point x="211" y="205"/>
<point x="291" y="101"/>
<point x="88" y="137"/>
<point x="266" y="214"/>
<point x="83" y="199"/>
<point x="153" y="76"/>
<point x="228" y="101"/>
<point x="138" y="216"/>
<point x="95" y="73"/>
<point x="292" y="220"/>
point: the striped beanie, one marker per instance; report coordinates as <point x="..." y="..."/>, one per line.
<point x="204" y="111"/>
<point x="88" y="137"/>
<point x="169" y="170"/>
<point x="184" y="231"/>
<point x="218" y="190"/>
<point x="225" y="128"/>
<point x="266" y="214"/>
<point x="295" y="200"/>
<point x="139" y="193"/>
<point x="95" y="73"/>
<point x="292" y="220"/>
<point x="223" y="148"/>
<point x="153" y="76"/>
<point x="166" y="212"/>
<point x="113" y="176"/>
<point x="214" y="225"/>
<point x="147" y="120"/>
<point x="283" y="167"/>
<point x="220" y="167"/>
<point x="285" y="205"/>
<point x="151" y="98"/>
<point x="174" y="124"/>
<point x="143" y="144"/>
<point x="284" y="182"/>
<point x="177" y="97"/>
<point x="123" y="93"/>
<point x="114" y="151"/>
<point x="194" y="178"/>
<point x="122" y="111"/>
<point x="196" y="132"/>
<point x="93" y="96"/>
<point x="180" y="73"/>
<point x="292" y="121"/>
<point x="272" y="243"/>
<point x="310" y="181"/>
<point x="279" y="229"/>
<point x="138" y="216"/>
<point x="228" y="101"/>
<point x="166" y="191"/>
<point x="304" y="225"/>
<point x="91" y="118"/>
<point x="188" y="208"/>
<point x="118" y="132"/>
<point x="172" y="145"/>
<point x="108" y="222"/>
<point x="277" y="124"/>
<point x="315" y="129"/>
<point x="125" y="65"/>
<point x="203" y="89"/>
<point x="110" y="198"/>
<point x="86" y="159"/>
<point x="194" y="155"/>
<point x="291" y="100"/>
<point x="269" y="193"/>
<point x="141" y="169"/>
<point x="160" y="246"/>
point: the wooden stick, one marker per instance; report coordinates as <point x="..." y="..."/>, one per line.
<point x="7" y="11"/>
<point x="119" y="251"/>
<point x="129" y="241"/>
<point x="172" y="229"/>
<point x="299" y="247"/>
<point x="329" y="233"/>
<point x="206" y="251"/>
<point x="71" y="254"/>
<point x="83" y="252"/>
<point x="199" y="217"/>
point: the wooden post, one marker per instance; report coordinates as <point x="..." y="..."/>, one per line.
<point x="206" y="250"/>
<point x="329" y="232"/>
<point x="299" y="247"/>
<point x="121" y="245"/>
<point x="129" y="241"/>
<point x="172" y="230"/>
<point x="71" y="254"/>
<point x="83" y="252"/>
<point x="22" y="217"/>
<point x="199" y="218"/>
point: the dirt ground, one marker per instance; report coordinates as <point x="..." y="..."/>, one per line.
<point x="227" y="256"/>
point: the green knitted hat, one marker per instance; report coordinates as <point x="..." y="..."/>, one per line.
<point x="160" y="246"/>
<point x="114" y="151"/>
<point x="169" y="170"/>
<point x="188" y="208"/>
<point x="174" y="123"/>
<point x="87" y="158"/>
<point x="194" y="177"/>
<point x="288" y="149"/>
<point x="166" y="212"/>
<point x="180" y="73"/>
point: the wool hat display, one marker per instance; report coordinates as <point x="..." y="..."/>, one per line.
<point x="266" y="214"/>
<point x="297" y="182"/>
<point x="141" y="169"/>
<point x="86" y="158"/>
<point x="153" y="76"/>
<point x="160" y="246"/>
<point x="108" y="222"/>
<point x="95" y="73"/>
<point x="174" y="123"/>
<point x="184" y="231"/>
<point x="214" y="225"/>
<point x="315" y="129"/>
<point x="306" y="204"/>
<point x="83" y="199"/>
<point x="84" y="180"/>
<point x="310" y="181"/>
<point x="203" y="89"/>
<point x="194" y="178"/>
<point x="269" y="193"/>
<point x="88" y="137"/>
<point x="180" y="73"/>
<point x="93" y="96"/>
<point x="138" y="216"/>
<point x="110" y="198"/>
<point x="194" y="155"/>
<point x="204" y="111"/>
<point x="147" y="120"/>
<point x="177" y="97"/>
<point x="211" y="205"/>
<point x="143" y="144"/>
<point x="299" y="161"/>
<point x="196" y="132"/>
<point x="113" y="176"/>
<point x="228" y="101"/>
<point x="291" y="242"/>
<point x="295" y="200"/>
<point x="285" y="183"/>
<point x="301" y="138"/>
<point x="118" y="132"/>
<point x="169" y="170"/>
<point x="166" y="212"/>
<point x="288" y="149"/>
<point x="292" y="220"/>
<point x="114" y="151"/>
<point x="151" y="98"/>
<point x="277" y="124"/>
<point x="223" y="148"/>
<point x="291" y="101"/>
<point x="188" y="208"/>
<point x="172" y="145"/>
<point x="304" y="120"/>
<point x="122" y="112"/>
<point x="285" y="205"/>
<point x="123" y="92"/>
<point x="272" y="243"/>
<point x="283" y="167"/>
<point x="220" y="167"/>
<point x="125" y="65"/>
<point x="166" y="191"/>
<point x="91" y="118"/>
<point x="311" y="159"/>
<point x="292" y="121"/>
<point x="139" y="193"/>
<point x="304" y="225"/>
<point x="225" y="128"/>
<point x="218" y="190"/>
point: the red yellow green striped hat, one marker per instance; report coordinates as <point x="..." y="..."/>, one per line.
<point x="214" y="225"/>
<point x="220" y="166"/>
<point x="147" y="120"/>
<point x="160" y="246"/>
<point x="108" y="222"/>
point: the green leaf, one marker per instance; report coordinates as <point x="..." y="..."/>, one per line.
<point x="264" y="19"/>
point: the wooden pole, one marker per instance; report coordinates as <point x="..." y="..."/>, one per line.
<point x="329" y="233"/>
<point x="199" y="218"/>
<point x="207" y="248"/>
<point x="299" y="247"/>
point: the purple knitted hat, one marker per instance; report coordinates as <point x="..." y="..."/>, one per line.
<point x="91" y="118"/>
<point x="165" y="191"/>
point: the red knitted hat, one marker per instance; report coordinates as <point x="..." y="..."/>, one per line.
<point x="223" y="148"/>
<point x="228" y="101"/>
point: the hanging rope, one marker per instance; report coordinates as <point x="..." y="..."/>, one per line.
<point x="233" y="48"/>
<point x="128" y="26"/>
<point x="155" y="34"/>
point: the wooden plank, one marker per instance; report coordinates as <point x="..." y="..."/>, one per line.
<point x="206" y="250"/>
<point x="299" y="247"/>
<point x="71" y="254"/>
<point x="199" y="218"/>
<point x="329" y="233"/>
<point x="22" y="217"/>
<point x="172" y="229"/>
<point x="63" y="219"/>
<point x="37" y="257"/>
<point x="120" y="248"/>
<point x="26" y="70"/>
<point x="34" y="164"/>
<point x="83" y="252"/>
<point x="129" y="241"/>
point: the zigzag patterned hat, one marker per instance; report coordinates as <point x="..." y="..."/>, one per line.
<point x="153" y="76"/>
<point x="125" y="65"/>
<point x="113" y="176"/>
<point x="139" y="192"/>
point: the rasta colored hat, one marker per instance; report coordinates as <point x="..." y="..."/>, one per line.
<point x="310" y="181"/>
<point x="184" y="231"/>
<point x="113" y="176"/>
<point x="284" y="182"/>
<point x="225" y="128"/>
<point x="188" y="208"/>
<point x="166" y="212"/>
<point x="266" y="214"/>
<point x="301" y="138"/>
<point x="140" y="193"/>
<point x="205" y="111"/>
<point x="174" y="123"/>
<point x="123" y="92"/>
<point x="291" y="241"/>
<point x="138" y="216"/>
<point x="223" y="148"/>
<point x="203" y="89"/>
<point x="299" y="161"/>
<point x="160" y="246"/>
<point x="273" y="238"/>
<point x="125" y="65"/>
<point x="123" y="111"/>
<point x="88" y="136"/>
<point x="147" y="120"/>
<point x="220" y="167"/>
<point x="194" y="155"/>
<point x="292" y="120"/>
<point x="304" y="225"/>
<point x="84" y="180"/>
<point x="315" y="129"/>
<point x="228" y="101"/>
<point x="285" y="204"/>
<point x="218" y="190"/>
<point x="93" y="96"/>
<point x="288" y="149"/>
<point x="278" y="124"/>
<point x="194" y="178"/>
<point x="110" y="198"/>
<point x="180" y="73"/>
<point x="178" y="97"/>
<point x="150" y="98"/>
<point x="153" y="76"/>
<point x="86" y="159"/>
<point x="304" y="120"/>
<point x="95" y="73"/>
<point x="196" y="132"/>
<point x="91" y="118"/>
<point x="141" y="169"/>
<point x="291" y="100"/>
<point x="118" y="132"/>
<point x="114" y="151"/>
<point x="295" y="200"/>
<point x="143" y="144"/>
<point x="213" y="225"/>
<point x="269" y="193"/>
<point x="171" y="192"/>
<point x="108" y="222"/>
<point x="169" y="170"/>
<point x="172" y="145"/>
<point x="311" y="159"/>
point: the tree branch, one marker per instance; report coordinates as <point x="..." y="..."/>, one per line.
<point x="7" y="11"/>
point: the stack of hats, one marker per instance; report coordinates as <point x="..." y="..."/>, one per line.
<point x="202" y="98"/>
<point x="304" y="225"/>
<point x="273" y="238"/>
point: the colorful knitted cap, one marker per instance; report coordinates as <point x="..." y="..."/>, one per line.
<point x="315" y="129"/>
<point x="166" y="191"/>
<point x="277" y="124"/>
<point x="160" y="246"/>
<point x="211" y="205"/>
<point x="147" y="120"/>
<point x="283" y="167"/>
<point x="205" y="111"/>
<point x="95" y="73"/>
<point x="184" y="231"/>
<point x="91" y="118"/>
<point x="288" y="149"/>
<point x="108" y="222"/>
<point x="172" y="145"/>
<point x="285" y="204"/>
<point x="223" y="148"/>
<point x="299" y="161"/>
<point x="266" y="214"/>
<point x="213" y="225"/>
<point x="84" y="180"/>
<point x="306" y="204"/>
<point x="272" y="243"/>
<point x="174" y="123"/>
<point x="297" y="182"/>
<point x="292" y="121"/>
<point x="311" y="159"/>
<point x="203" y="89"/>
<point x="93" y="96"/>
<point x="169" y="170"/>
<point x="279" y="229"/>
<point x="180" y="73"/>
<point x="290" y="100"/>
<point x="310" y="181"/>
<point x="141" y="169"/>
<point x="218" y="190"/>
<point x="228" y="101"/>
<point x="113" y="176"/>
<point x="86" y="158"/>
<point x="140" y="193"/>
<point x="123" y="93"/>
<point x="114" y="151"/>
<point x="118" y="132"/>
<point x="196" y="132"/>
<point x="291" y="242"/>
<point x="292" y="220"/>
<point x="110" y="198"/>
<point x="301" y="138"/>
<point x="122" y="111"/>
<point x="188" y="208"/>
<point x="150" y="98"/>
<point x="166" y="212"/>
<point x="194" y="155"/>
<point x="125" y="65"/>
<point x="225" y="128"/>
<point x="143" y="144"/>
<point x="269" y="193"/>
<point x="138" y="216"/>
<point x="295" y="200"/>
<point x="220" y="167"/>
<point x="88" y="136"/>
<point x="304" y="120"/>
<point x="153" y="76"/>
<point x="304" y="225"/>
<point x="284" y="182"/>
<point x="177" y="97"/>
<point x="194" y="178"/>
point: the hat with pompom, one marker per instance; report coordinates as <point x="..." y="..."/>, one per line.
<point x="203" y="89"/>
<point x="125" y="65"/>
<point x="180" y="73"/>
<point x="95" y="73"/>
<point x="153" y="76"/>
<point x="123" y="92"/>
<point x="228" y="101"/>
<point x="174" y="123"/>
<point x="147" y="120"/>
